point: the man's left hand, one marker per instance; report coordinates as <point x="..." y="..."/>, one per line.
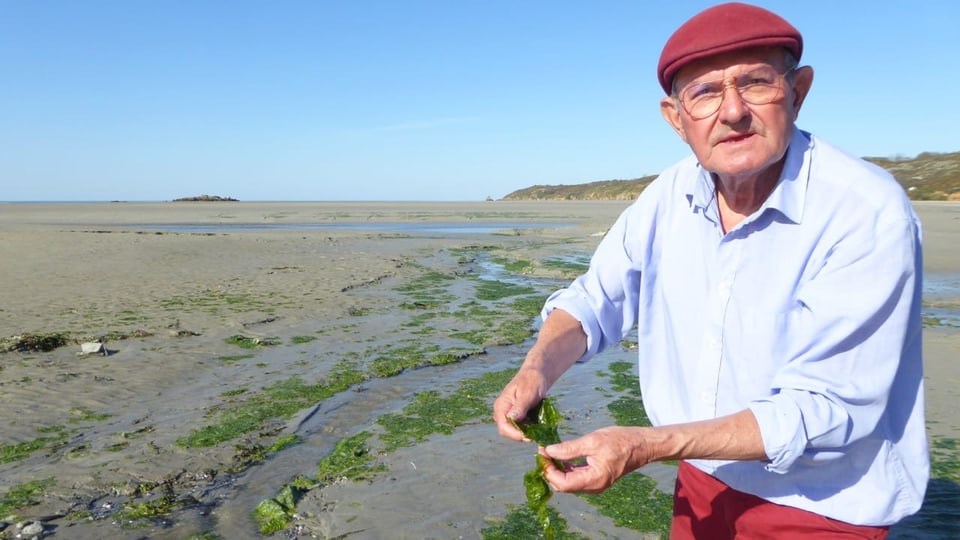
<point x="597" y="459"/>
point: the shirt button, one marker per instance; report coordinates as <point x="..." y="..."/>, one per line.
<point x="706" y="397"/>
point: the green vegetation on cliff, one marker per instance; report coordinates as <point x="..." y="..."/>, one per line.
<point x="604" y="190"/>
<point x="927" y="177"/>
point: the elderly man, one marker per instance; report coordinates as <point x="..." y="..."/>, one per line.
<point x="775" y="283"/>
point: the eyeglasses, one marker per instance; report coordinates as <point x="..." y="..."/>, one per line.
<point x="757" y="87"/>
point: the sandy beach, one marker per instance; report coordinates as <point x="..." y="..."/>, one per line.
<point x="211" y="313"/>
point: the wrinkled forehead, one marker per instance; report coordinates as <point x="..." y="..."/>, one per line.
<point x="730" y="64"/>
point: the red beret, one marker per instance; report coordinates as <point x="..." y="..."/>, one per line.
<point x="724" y="28"/>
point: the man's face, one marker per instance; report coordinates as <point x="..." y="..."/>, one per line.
<point x="741" y="140"/>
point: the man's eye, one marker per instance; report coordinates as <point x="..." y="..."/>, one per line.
<point x="703" y="90"/>
<point x="757" y="78"/>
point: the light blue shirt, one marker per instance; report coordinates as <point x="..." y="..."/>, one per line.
<point x="807" y="313"/>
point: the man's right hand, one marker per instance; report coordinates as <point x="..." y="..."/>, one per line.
<point x="527" y="388"/>
<point x="560" y="343"/>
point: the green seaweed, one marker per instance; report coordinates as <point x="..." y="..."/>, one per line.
<point x="626" y="410"/>
<point x="400" y="359"/>
<point x="35" y="342"/>
<point x="350" y="459"/>
<point x="16" y="452"/>
<point x="538" y="495"/>
<point x="476" y="337"/>
<point x="117" y="447"/>
<point x="154" y="508"/>
<point x="280" y="400"/>
<point x="25" y="494"/>
<point x="629" y="411"/>
<point x="540" y="426"/>
<point x="568" y="267"/>
<point x="623" y="378"/>
<point x="353" y="459"/>
<point x="82" y="414"/>
<point x="283" y="442"/>
<point x="270" y="516"/>
<point x="429" y="413"/>
<point x="945" y="459"/>
<point x="237" y="357"/>
<point x="427" y="292"/>
<point x="486" y="325"/>
<point x="524" y="523"/>
<point x="273" y="514"/>
<point x="635" y="502"/>
<point x="528" y="306"/>
<point x="518" y="266"/>
<point x="248" y="455"/>
<point x="490" y="290"/>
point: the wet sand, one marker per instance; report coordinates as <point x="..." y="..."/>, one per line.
<point x="147" y="273"/>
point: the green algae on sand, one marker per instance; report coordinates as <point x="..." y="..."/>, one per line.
<point x="540" y="426"/>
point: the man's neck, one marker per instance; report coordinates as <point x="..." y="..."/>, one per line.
<point x="738" y="197"/>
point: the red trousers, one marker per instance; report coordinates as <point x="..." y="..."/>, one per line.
<point x="705" y="508"/>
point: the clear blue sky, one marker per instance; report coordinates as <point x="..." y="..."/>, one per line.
<point x="413" y="100"/>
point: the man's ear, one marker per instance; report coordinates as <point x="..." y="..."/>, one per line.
<point x="802" y="81"/>
<point x="669" y="108"/>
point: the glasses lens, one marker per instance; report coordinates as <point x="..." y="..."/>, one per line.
<point x="702" y="99"/>
<point x="757" y="87"/>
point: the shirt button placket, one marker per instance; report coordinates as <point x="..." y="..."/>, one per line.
<point x="712" y="349"/>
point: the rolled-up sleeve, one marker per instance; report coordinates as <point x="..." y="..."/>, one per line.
<point x="604" y="299"/>
<point x="854" y="322"/>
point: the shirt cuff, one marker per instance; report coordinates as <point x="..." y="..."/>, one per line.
<point x="580" y="310"/>
<point x="782" y="430"/>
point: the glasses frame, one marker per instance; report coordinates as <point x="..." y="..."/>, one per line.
<point x="726" y="83"/>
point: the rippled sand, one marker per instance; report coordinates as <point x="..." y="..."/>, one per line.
<point x="91" y="270"/>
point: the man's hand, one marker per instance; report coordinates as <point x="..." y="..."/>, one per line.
<point x="560" y="343"/>
<point x="527" y="388"/>
<point x="598" y="459"/>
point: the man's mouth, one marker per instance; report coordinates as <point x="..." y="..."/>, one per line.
<point x="736" y="138"/>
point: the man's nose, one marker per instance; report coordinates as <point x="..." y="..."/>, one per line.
<point x="732" y="108"/>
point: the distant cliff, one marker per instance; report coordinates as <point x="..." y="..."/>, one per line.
<point x="927" y="177"/>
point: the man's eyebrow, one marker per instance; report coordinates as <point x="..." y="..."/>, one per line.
<point x="745" y="71"/>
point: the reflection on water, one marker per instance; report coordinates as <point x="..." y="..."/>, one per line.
<point x="941" y="286"/>
<point x="941" y="299"/>
<point x="431" y="228"/>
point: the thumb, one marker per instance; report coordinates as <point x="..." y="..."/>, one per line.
<point x="564" y="451"/>
<point x="514" y="417"/>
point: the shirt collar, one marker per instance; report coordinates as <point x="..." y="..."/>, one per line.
<point x="788" y="195"/>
